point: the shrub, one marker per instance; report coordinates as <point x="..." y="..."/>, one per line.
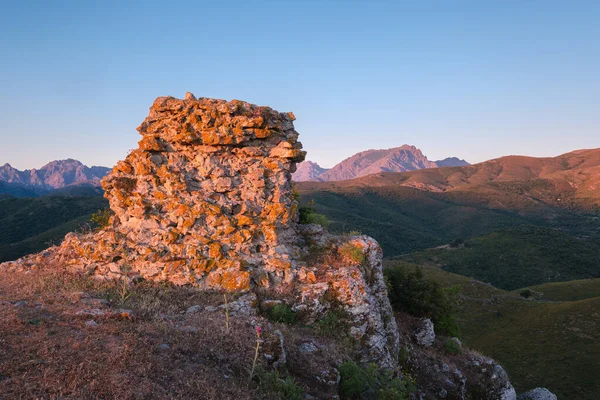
<point x="452" y="347"/>
<point x="414" y="294"/>
<point x="309" y="216"/>
<point x="526" y="293"/>
<point x="271" y="383"/>
<point x="370" y="382"/>
<point x="333" y="323"/>
<point x="281" y="313"/>
<point x="350" y="251"/>
<point x="101" y="218"/>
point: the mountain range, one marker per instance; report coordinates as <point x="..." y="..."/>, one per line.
<point x="397" y="159"/>
<point x="55" y="175"/>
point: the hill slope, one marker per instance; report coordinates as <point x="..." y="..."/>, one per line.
<point x="541" y="343"/>
<point x="27" y="225"/>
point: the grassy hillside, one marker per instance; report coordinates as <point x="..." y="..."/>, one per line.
<point x="30" y="224"/>
<point x="540" y="343"/>
<point x="568" y="291"/>
<point x="515" y="258"/>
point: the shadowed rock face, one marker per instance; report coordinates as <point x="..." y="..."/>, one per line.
<point x="206" y="199"/>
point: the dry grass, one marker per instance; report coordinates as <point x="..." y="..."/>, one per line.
<point x="47" y="351"/>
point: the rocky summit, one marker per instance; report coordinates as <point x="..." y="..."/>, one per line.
<point x="206" y="200"/>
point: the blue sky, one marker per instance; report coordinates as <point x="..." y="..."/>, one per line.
<point x="474" y="79"/>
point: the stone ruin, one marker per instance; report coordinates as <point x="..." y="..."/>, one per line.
<point x="207" y="200"/>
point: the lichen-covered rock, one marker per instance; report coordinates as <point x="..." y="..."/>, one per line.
<point x="206" y="200"/>
<point x="493" y="380"/>
<point x="425" y="335"/>
<point x="538" y="394"/>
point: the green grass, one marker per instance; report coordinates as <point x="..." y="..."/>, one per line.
<point x="540" y="343"/>
<point x="568" y="291"/>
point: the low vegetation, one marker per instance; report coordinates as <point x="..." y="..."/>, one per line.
<point x="516" y="258"/>
<point x="413" y="293"/>
<point x="370" y="382"/>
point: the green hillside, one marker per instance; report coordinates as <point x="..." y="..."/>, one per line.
<point x="515" y="258"/>
<point x="540" y="343"/>
<point x="568" y="291"/>
<point x="29" y="225"/>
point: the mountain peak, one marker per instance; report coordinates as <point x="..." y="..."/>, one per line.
<point x="396" y="159"/>
<point x="54" y="175"/>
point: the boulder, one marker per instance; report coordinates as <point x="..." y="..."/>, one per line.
<point x="537" y="394"/>
<point x="424" y="335"/>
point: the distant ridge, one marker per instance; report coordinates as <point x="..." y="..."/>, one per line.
<point x="397" y="159"/>
<point x="54" y="175"/>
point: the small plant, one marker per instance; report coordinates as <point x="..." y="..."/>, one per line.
<point x="358" y="382"/>
<point x="352" y="252"/>
<point x="124" y="293"/>
<point x="452" y="347"/>
<point x="281" y="313"/>
<point x="101" y="218"/>
<point x="258" y="341"/>
<point x="403" y="356"/>
<point x="333" y="323"/>
<point x="309" y="216"/>
<point x="353" y="233"/>
<point x="272" y="383"/>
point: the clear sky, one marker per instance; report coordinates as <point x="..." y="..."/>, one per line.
<point x="474" y="79"/>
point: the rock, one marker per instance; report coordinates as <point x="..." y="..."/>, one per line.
<point x="21" y="303"/>
<point x="456" y="340"/>
<point x="164" y="346"/>
<point x="91" y="312"/>
<point x="307" y="348"/>
<point x="193" y="309"/>
<point x="188" y="329"/>
<point x="425" y="334"/>
<point x="123" y="314"/>
<point x="537" y="394"/>
<point x="493" y="379"/>
<point x="273" y="350"/>
<point x="94" y="302"/>
<point x="91" y="323"/>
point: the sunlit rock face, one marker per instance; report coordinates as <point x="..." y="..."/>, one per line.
<point x="206" y="198"/>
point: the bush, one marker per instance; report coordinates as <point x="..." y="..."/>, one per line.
<point x="452" y="347"/>
<point x="271" y="383"/>
<point x="414" y="294"/>
<point x="309" y="216"/>
<point x="281" y="313"/>
<point x="350" y="251"/>
<point x="526" y="293"/>
<point x="370" y="382"/>
<point x="333" y="323"/>
<point x="101" y="218"/>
